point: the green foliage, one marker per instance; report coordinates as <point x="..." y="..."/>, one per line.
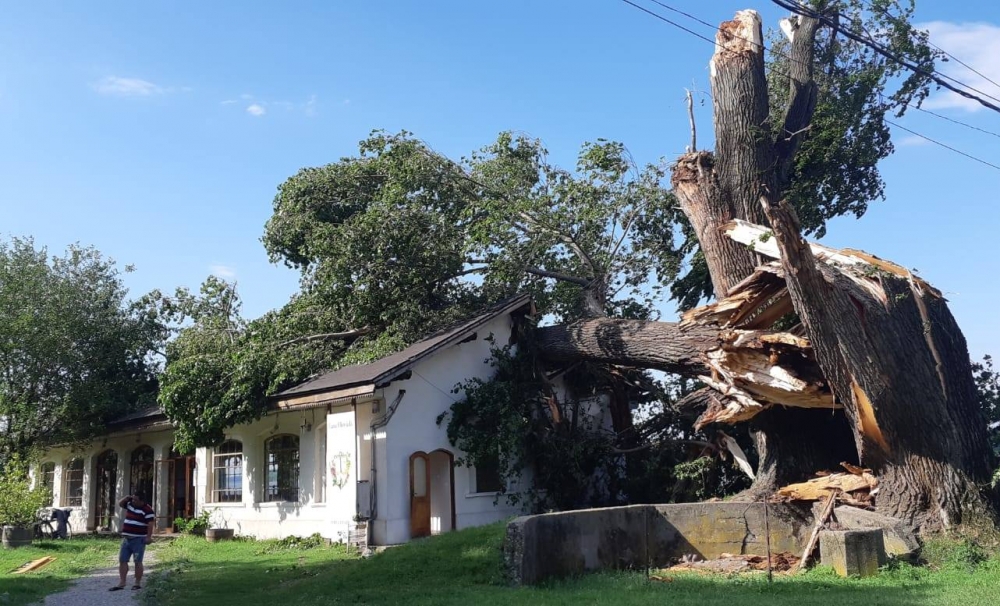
<point x="73" y="559"/>
<point x="950" y="553"/>
<point x="196" y="525"/>
<point x="464" y="568"/>
<point x="680" y="465"/>
<point x="292" y="543"/>
<point x="19" y="503"/>
<point x="836" y="167"/>
<point x="516" y="417"/>
<point x="988" y="386"/>
<point x="74" y="350"/>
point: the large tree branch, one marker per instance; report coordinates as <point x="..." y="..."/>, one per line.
<point x="660" y="345"/>
<point x="801" y="98"/>
<point x="344" y="335"/>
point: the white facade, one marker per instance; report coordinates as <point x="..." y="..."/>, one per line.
<point x="335" y="471"/>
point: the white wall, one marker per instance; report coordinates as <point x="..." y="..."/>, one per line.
<point x="253" y="516"/>
<point x="83" y="518"/>
<point x="413" y="428"/>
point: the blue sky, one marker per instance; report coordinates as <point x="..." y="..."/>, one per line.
<point x="159" y="133"/>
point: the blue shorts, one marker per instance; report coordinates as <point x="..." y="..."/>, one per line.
<point x="134" y="547"/>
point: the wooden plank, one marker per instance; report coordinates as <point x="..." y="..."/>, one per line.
<point x="820" y="521"/>
<point x="34" y="565"/>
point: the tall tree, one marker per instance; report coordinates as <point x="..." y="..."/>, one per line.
<point x="75" y="352"/>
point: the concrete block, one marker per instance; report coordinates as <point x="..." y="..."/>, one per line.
<point x="852" y="552"/>
<point x="568" y="543"/>
<point x="899" y="538"/>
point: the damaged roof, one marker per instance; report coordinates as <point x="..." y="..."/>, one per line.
<point x="390" y="367"/>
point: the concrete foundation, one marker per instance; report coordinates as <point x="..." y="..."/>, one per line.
<point x="852" y="552"/>
<point x="899" y="539"/>
<point x="574" y="542"/>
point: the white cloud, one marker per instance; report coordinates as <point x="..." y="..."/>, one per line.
<point x="977" y="44"/>
<point x="256" y="109"/>
<point x="310" y="106"/>
<point x="127" y="87"/>
<point x="223" y="271"/>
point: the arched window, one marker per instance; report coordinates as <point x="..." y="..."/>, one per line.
<point x="141" y="476"/>
<point x="47" y="477"/>
<point x="281" y="454"/>
<point x="227" y="472"/>
<point x="72" y="493"/>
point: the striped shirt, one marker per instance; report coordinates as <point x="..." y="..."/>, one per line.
<point x="137" y="520"/>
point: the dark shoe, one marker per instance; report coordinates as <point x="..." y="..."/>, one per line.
<point x="116" y="588"/>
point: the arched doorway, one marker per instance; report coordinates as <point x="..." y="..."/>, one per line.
<point x="442" y="471"/>
<point x="106" y="478"/>
<point x="432" y="493"/>
<point x="180" y="483"/>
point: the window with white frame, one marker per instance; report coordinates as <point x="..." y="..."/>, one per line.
<point x="227" y="472"/>
<point x="72" y="488"/>
<point x="47" y="477"/>
<point x="281" y="458"/>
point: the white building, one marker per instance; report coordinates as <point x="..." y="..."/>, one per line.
<point x="361" y="442"/>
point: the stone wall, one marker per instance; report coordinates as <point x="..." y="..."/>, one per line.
<point x="573" y="542"/>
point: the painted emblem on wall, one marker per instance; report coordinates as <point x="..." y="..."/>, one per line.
<point x="340" y="469"/>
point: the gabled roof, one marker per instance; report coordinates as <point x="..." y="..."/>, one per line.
<point x="386" y="369"/>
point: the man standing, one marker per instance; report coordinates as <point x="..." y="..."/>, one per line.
<point x="137" y="532"/>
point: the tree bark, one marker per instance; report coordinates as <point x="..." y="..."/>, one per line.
<point x="899" y="364"/>
<point x="714" y="189"/>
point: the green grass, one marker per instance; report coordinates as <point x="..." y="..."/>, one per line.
<point x="464" y="568"/>
<point x="74" y="558"/>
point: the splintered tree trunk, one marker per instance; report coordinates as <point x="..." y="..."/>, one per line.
<point x="898" y="362"/>
<point x="714" y="189"/>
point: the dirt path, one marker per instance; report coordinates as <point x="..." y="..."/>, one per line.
<point x="92" y="590"/>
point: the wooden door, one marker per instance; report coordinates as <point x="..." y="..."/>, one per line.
<point x="420" y="495"/>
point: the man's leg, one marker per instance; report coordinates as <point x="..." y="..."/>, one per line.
<point x="138" y="552"/>
<point x="123" y="555"/>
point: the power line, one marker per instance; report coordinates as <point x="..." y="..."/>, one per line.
<point x="886" y="12"/>
<point x="674" y="23"/>
<point x="936" y="142"/>
<point x="959" y="122"/>
<point x="940" y="79"/>
<point x="873" y="7"/>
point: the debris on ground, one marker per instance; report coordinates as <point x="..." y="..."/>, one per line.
<point x="857" y="486"/>
<point x="729" y="563"/>
<point x="33" y="565"/>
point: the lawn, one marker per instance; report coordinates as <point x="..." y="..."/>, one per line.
<point x="464" y="568"/>
<point x="74" y="558"/>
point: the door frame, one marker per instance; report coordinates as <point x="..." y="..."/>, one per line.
<point x="104" y="511"/>
<point x="415" y="531"/>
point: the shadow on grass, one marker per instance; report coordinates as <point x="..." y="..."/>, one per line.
<point x="74" y="558"/>
<point x="464" y="568"/>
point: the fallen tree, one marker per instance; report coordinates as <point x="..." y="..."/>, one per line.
<point x="874" y="360"/>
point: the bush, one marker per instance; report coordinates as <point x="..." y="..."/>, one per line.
<point x="19" y="504"/>
<point x="196" y="525"/>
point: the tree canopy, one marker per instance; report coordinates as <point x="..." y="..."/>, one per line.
<point x="75" y="352"/>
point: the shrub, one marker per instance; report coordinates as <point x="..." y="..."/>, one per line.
<point x="19" y="503"/>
